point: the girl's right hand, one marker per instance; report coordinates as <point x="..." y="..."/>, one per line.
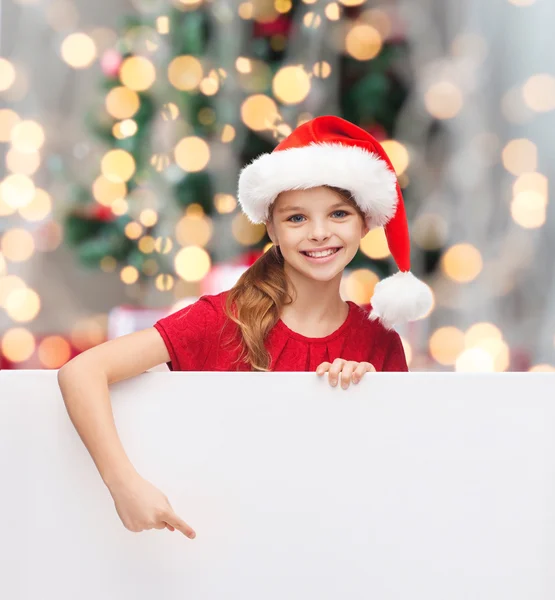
<point x="140" y="506"/>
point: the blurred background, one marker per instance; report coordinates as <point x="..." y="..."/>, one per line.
<point x="124" y="124"/>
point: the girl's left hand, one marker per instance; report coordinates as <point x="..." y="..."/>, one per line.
<point x="348" y="369"/>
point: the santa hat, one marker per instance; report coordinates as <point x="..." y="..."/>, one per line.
<point x="331" y="151"/>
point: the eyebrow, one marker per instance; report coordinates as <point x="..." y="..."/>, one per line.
<point x="288" y="208"/>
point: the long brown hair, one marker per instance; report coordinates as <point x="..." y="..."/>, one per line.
<point x="259" y="296"/>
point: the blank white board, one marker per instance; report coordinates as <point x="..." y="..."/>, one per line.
<point x="408" y="486"/>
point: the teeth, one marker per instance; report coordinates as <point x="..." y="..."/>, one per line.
<point x="320" y="254"/>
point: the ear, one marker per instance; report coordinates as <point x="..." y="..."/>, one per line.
<point x="271" y="232"/>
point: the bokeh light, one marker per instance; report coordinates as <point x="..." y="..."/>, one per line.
<point x="245" y="232"/>
<point x="78" y="50"/>
<point x="192" y="154"/>
<point x="374" y="244"/>
<point x="519" y="156"/>
<point x="53" y="352"/>
<point x="359" y="285"/>
<point x="17" y="245"/>
<point x="18" y="344"/>
<point x="259" y="112"/>
<point x="185" y="73"/>
<point x="137" y="73"/>
<point x="7" y="74"/>
<point x="192" y="263"/>
<point x="363" y="42"/>
<point x="27" y="136"/>
<point x="122" y="103"/>
<point x="118" y="165"/>
<point x="22" y="305"/>
<point x="397" y="154"/>
<point x="462" y="263"/>
<point x="291" y="84"/>
<point x="443" y="100"/>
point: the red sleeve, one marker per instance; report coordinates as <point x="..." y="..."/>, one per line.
<point x="186" y="335"/>
<point x="395" y="359"/>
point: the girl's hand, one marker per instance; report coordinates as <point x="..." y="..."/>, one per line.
<point x="140" y="505"/>
<point x="348" y="369"/>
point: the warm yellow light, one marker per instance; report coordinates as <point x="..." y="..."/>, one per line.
<point x="164" y="282"/>
<point x="542" y="368"/>
<point x="118" y="165"/>
<point x="146" y="244"/>
<point x="283" y="6"/>
<point x="332" y="11"/>
<point x="54" y="351"/>
<point x="352" y="2"/>
<point x="475" y="360"/>
<point x="446" y="343"/>
<point x="363" y="42"/>
<point x="17" y="190"/>
<point x="105" y="191"/>
<point x="539" y="92"/>
<point x="23" y="163"/>
<point x="39" y="208"/>
<point x="192" y="263"/>
<point x="137" y="73"/>
<point x="148" y="217"/>
<point x="78" y="50"/>
<point x="18" y="344"/>
<point x="312" y="20"/>
<point x="129" y="275"/>
<point x="443" y="100"/>
<point x="359" y="285"/>
<point x="246" y="10"/>
<point x="398" y="155"/>
<point x="122" y="103"/>
<point x="225" y="203"/>
<point x="163" y="245"/>
<point x="27" y="136"/>
<point x="259" y="112"/>
<point x="195" y="231"/>
<point x="374" y="244"/>
<point x="169" y="112"/>
<point x="462" y="263"/>
<point x="7" y="74"/>
<point x="23" y="305"/>
<point x="520" y="156"/>
<point x="163" y="25"/>
<point x="528" y="209"/>
<point x="17" y="245"/>
<point x="228" y="134"/>
<point x="133" y="230"/>
<point x="192" y="154"/>
<point x="322" y="69"/>
<point x="531" y="182"/>
<point x="185" y="73"/>
<point x="8" y="284"/>
<point x="8" y="120"/>
<point x="245" y="232"/>
<point x="291" y="84"/>
<point x="89" y="332"/>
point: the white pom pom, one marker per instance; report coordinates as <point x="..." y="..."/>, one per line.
<point x="399" y="298"/>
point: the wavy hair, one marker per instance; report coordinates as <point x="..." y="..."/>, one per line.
<point x="255" y="302"/>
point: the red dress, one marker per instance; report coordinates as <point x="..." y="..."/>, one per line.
<point x="195" y="336"/>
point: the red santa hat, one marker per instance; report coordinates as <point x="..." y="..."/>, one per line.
<point x="331" y="151"/>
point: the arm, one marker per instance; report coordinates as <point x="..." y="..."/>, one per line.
<point x="84" y="385"/>
<point x="395" y="359"/>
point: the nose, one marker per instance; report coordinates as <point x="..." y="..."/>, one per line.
<point x="319" y="230"/>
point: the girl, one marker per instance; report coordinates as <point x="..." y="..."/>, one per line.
<point x="318" y="193"/>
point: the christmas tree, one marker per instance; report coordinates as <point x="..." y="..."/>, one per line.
<point x="190" y="95"/>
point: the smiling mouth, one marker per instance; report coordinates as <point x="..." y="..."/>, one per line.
<point x="326" y="255"/>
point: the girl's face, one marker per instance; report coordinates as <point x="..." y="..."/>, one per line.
<point x="309" y="220"/>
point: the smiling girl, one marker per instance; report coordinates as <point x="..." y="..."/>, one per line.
<point x="319" y="193"/>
